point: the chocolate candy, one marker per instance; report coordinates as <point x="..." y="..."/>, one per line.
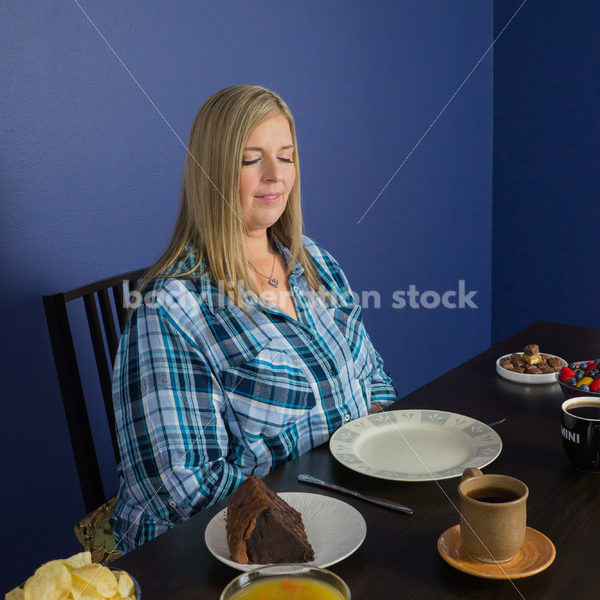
<point x="536" y="365"/>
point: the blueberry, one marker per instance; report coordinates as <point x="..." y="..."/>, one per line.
<point x="593" y="373"/>
<point x="584" y="388"/>
<point x="579" y="375"/>
<point x="573" y="366"/>
<point x="572" y="381"/>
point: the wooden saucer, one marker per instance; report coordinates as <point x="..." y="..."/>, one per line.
<point x="536" y="554"/>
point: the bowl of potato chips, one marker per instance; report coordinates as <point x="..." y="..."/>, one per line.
<point x="77" y="578"/>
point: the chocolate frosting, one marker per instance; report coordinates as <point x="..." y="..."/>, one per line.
<point x="263" y="528"/>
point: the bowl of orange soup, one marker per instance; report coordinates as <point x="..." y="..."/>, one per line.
<point x="287" y="582"/>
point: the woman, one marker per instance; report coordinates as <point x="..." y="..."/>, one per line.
<point x="248" y="348"/>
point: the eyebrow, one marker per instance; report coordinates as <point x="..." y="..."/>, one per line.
<point x="260" y="149"/>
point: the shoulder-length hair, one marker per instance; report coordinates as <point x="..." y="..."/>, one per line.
<point x="209" y="225"/>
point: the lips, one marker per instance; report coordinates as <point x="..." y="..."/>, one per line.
<point x="268" y="198"/>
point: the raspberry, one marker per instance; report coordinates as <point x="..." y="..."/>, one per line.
<point x="595" y="385"/>
<point x="590" y="367"/>
<point x="566" y="374"/>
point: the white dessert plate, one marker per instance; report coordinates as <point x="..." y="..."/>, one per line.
<point x="415" y="445"/>
<point x="334" y="529"/>
<point x="527" y="378"/>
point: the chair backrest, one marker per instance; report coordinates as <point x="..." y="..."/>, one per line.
<point x="105" y="336"/>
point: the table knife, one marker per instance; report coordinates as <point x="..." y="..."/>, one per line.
<point x="303" y="478"/>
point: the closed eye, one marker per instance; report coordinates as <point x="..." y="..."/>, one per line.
<point x="246" y="163"/>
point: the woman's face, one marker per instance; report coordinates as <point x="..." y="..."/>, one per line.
<point x="267" y="173"/>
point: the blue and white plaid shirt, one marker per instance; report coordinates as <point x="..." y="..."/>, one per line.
<point x="205" y="395"/>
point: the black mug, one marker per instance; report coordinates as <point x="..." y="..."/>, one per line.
<point x="580" y="430"/>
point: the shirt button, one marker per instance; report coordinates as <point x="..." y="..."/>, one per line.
<point x="172" y="504"/>
<point x="346" y="417"/>
<point x="294" y="288"/>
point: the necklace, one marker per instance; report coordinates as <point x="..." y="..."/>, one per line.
<point x="272" y="281"/>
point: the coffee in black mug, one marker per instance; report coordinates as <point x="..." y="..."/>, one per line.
<point x="580" y="430"/>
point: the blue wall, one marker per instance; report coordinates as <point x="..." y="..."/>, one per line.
<point x="91" y="178"/>
<point x="546" y="165"/>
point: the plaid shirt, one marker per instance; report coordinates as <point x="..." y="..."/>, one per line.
<point x="205" y="395"/>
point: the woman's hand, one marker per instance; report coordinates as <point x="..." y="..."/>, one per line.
<point x="375" y="408"/>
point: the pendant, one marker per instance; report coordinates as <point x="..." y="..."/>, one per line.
<point x="273" y="282"/>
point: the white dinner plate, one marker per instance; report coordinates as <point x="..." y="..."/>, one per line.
<point x="415" y="445"/>
<point x="527" y="378"/>
<point x="334" y="529"/>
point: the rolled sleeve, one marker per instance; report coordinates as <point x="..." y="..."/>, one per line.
<point x="172" y="434"/>
<point x="383" y="392"/>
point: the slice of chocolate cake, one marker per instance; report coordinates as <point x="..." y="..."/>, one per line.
<point x="262" y="528"/>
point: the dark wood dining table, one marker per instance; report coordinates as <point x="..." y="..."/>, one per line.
<point x="398" y="558"/>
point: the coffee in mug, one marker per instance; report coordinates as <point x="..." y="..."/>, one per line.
<point x="493" y="515"/>
<point x="580" y="430"/>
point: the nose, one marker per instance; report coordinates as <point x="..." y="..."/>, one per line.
<point x="273" y="171"/>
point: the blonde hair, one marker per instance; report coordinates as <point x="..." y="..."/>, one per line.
<point x="209" y="224"/>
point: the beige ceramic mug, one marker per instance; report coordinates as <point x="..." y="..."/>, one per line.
<point x="493" y="515"/>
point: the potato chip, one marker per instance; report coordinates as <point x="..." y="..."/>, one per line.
<point x="75" y="578"/>
<point x="51" y="581"/>
<point x="16" y="594"/>
<point x="78" y="560"/>
<point x="83" y="590"/>
<point x="102" y="578"/>
<point x="125" y="584"/>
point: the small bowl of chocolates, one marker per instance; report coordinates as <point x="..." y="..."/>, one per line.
<point x="530" y="366"/>
<point x="581" y="378"/>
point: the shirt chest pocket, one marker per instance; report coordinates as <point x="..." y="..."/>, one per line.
<point x="267" y="393"/>
<point x="349" y="321"/>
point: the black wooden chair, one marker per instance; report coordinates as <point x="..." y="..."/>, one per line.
<point x="105" y="332"/>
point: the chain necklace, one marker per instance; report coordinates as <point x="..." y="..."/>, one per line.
<point x="272" y="281"/>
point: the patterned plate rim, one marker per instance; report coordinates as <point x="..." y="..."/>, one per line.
<point x="488" y="450"/>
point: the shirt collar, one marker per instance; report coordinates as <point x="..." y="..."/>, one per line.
<point x="298" y="267"/>
<point x="215" y="299"/>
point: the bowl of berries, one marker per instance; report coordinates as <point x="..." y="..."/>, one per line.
<point x="581" y="378"/>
